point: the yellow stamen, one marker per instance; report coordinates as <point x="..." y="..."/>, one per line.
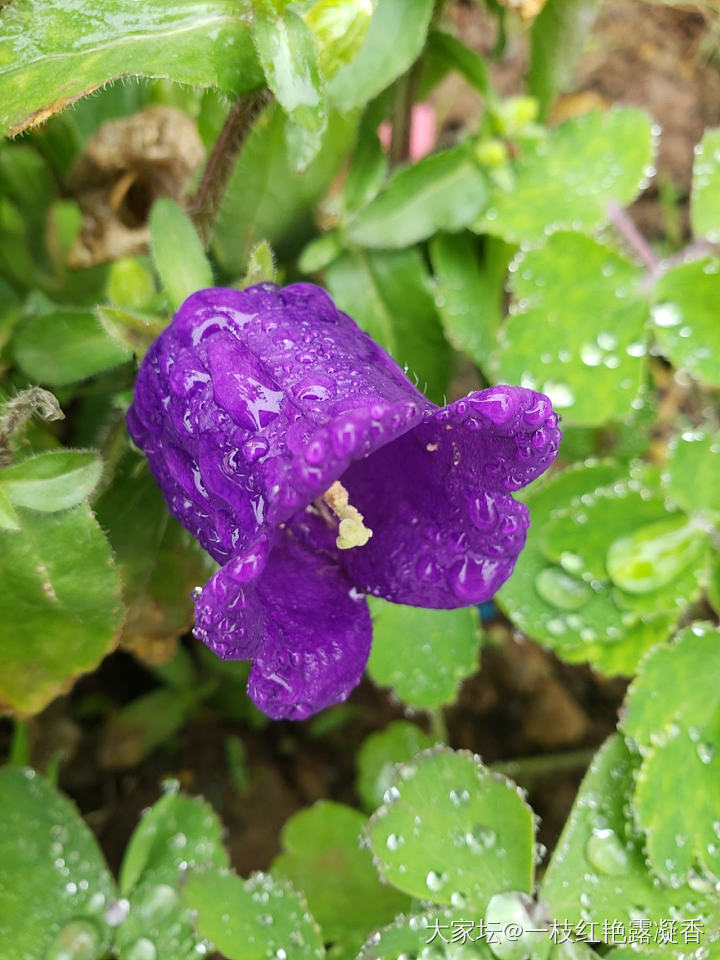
<point x="352" y="532"/>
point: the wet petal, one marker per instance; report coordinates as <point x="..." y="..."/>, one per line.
<point x="291" y="609"/>
<point x="446" y="530"/>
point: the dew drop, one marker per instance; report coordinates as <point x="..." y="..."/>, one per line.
<point x="606" y="852"/>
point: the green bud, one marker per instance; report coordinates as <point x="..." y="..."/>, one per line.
<point x="490" y="153"/>
<point x="515" y="113"/>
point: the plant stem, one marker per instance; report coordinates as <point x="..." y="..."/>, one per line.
<point x="527" y="768"/>
<point x="234" y="133"/>
<point x="630" y="233"/>
<point x="438" y="727"/>
<point x="399" y="151"/>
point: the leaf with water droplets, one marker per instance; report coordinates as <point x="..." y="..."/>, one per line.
<point x="470" y="291"/>
<point x="387" y="294"/>
<point x="705" y="205"/>
<point x="178" y="833"/>
<point x="60" y="606"/>
<point x="55" y="883"/>
<point x="597" y="872"/>
<point x="408" y="938"/>
<point x="424" y="655"/>
<point x="570" y="177"/>
<point x="656" y="554"/>
<point x="452" y="832"/>
<point x="260" y="918"/>
<point x="323" y="859"/>
<point x="692" y="476"/>
<point x="672" y="714"/>
<point x="379" y="753"/>
<point x="543" y="598"/>
<point x="685" y="317"/>
<point x="576" y="330"/>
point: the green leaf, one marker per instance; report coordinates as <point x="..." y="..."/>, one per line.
<point x="130" y="284"/>
<point x="159" y="560"/>
<point x="705" y="206"/>
<point x="444" y="191"/>
<point x="323" y="859"/>
<point x="672" y="715"/>
<point x="461" y="58"/>
<point x="52" y="54"/>
<point x="557" y="38"/>
<point x="394" y="40"/>
<point x="139" y="727"/>
<point x="692" y="474"/>
<point x="176" y="830"/>
<point x="654" y="555"/>
<point x="339" y="30"/>
<point x="177" y="252"/>
<point x="452" y="832"/>
<point x="266" y="197"/>
<point x="177" y="833"/>
<point x="287" y="54"/>
<point x="379" y="753"/>
<point x="59" y="605"/>
<point x="577" y="329"/>
<point x="52" y="481"/>
<point x="9" y="519"/>
<point x="408" y="936"/>
<point x="252" y="919"/>
<point x="55" y="882"/>
<point x="469" y="291"/>
<point x="424" y="655"/>
<point x="568" y="179"/>
<point x="538" y="597"/>
<point x="64" y="346"/>
<point x="131" y="331"/>
<point x="387" y="293"/>
<point x="598" y="872"/>
<point x="261" y="266"/>
<point x="368" y="168"/>
<point x="685" y="318"/>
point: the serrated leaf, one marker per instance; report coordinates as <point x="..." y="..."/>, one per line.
<point x="176" y="832"/>
<point x="705" y="205"/>
<point x="378" y="755"/>
<point x="672" y="714"/>
<point x="287" y="55"/>
<point x="469" y="291"/>
<point x="443" y="191"/>
<point x="177" y="253"/>
<point x="685" y="318"/>
<point x="424" y="655"/>
<point x="52" y="54"/>
<point x="692" y="473"/>
<point x="59" y="605"/>
<point x="387" y="294"/>
<point x="453" y="832"/>
<point x="64" y="346"/>
<point x="394" y="39"/>
<point x="598" y="631"/>
<point x="578" y="330"/>
<point x="56" y="884"/>
<point x="323" y="859"/>
<point x="252" y="919"/>
<point x="599" y="846"/>
<point x="160" y="561"/>
<point x="266" y="196"/>
<point x="568" y="179"/>
<point x="52" y="481"/>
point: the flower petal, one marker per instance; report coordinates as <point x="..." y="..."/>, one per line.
<point x="251" y="403"/>
<point x="293" y="610"/>
<point x="446" y="531"/>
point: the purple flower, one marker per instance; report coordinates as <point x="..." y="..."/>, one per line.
<point x="250" y="406"/>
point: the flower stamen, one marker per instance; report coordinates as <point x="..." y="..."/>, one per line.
<point x="352" y="532"/>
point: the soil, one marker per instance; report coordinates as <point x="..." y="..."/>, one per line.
<point x="523" y="702"/>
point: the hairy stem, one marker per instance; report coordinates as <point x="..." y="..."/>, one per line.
<point x="630" y="233"/>
<point x="399" y="151"/>
<point x="238" y="124"/>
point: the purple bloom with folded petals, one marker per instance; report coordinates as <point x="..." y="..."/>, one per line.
<point x="249" y="407"/>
